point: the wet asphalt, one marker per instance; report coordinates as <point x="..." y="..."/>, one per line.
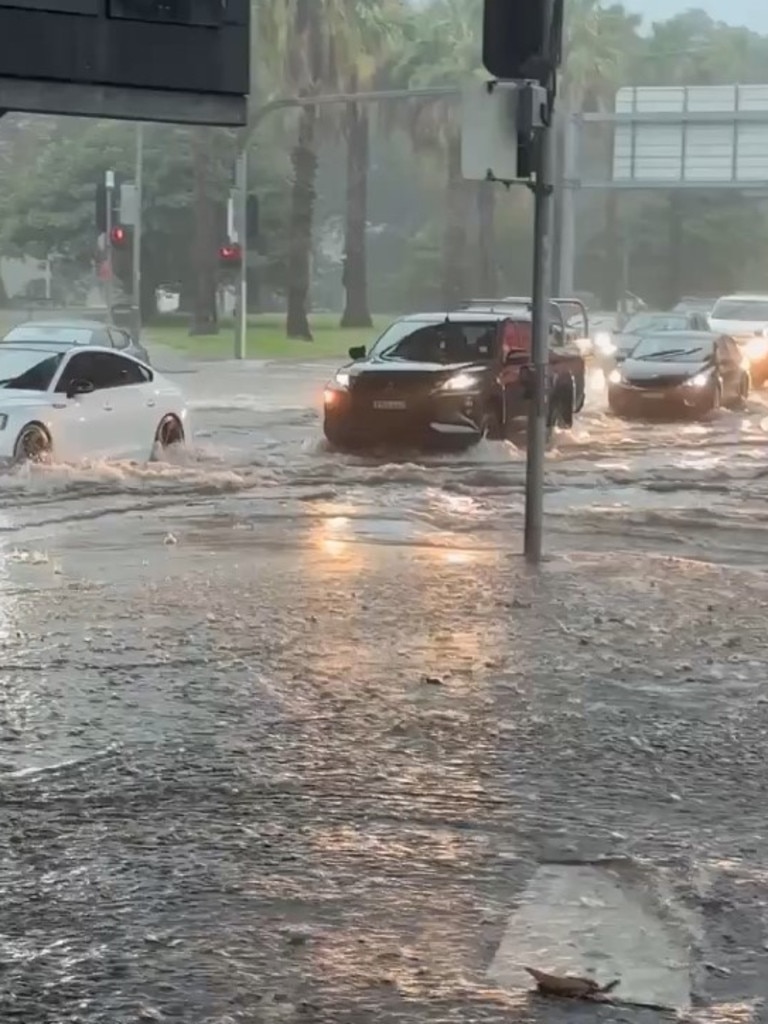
<point x="284" y="734"/>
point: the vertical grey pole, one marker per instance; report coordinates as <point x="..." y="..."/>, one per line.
<point x="542" y="272"/>
<point x="136" y="268"/>
<point x="241" y="218"/>
<point x="566" y="282"/>
<point x="109" y="181"/>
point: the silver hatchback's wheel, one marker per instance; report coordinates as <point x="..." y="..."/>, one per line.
<point x="33" y="444"/>
<point x="169" y="433"/>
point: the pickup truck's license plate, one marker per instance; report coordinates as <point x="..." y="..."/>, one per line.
<point x="389" y="404"/>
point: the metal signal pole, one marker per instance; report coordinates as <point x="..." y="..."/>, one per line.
<point x="109" y="182"/>
<point x="543" y="190"/>
<point x="136" y="265"/>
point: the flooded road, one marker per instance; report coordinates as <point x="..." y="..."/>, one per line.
<point x="285" y="735"/>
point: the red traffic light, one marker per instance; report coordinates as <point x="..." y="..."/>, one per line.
<point x="119" y="235"/>
<point x="230" y="254"/>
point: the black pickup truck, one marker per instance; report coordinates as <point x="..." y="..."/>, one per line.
<point x="450" y="379"/>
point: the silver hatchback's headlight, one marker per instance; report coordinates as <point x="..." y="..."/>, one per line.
<point x="699" y="381"/>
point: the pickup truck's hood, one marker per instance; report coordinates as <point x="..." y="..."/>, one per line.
<point x="404" y="366"/>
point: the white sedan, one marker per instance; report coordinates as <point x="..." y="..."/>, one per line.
<point x="66" y="402"/>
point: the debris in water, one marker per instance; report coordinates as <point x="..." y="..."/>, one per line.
<point x="570" y="986"/>
<point x="170" y="539"/>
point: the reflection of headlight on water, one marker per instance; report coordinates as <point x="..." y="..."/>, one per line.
<point x="604" y="343"/>
<point x="699" y="381"/>
<point x="756" y="348"/>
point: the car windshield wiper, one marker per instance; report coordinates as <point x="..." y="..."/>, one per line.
<point x="670" y="352"/>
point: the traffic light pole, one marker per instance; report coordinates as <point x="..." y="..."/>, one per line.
<point x="241" y="221"/>
<point x="543" y="190"/>
<point x="136" y="264"/>
<point x="109" y="181"/>
<point x="537" y="417"/>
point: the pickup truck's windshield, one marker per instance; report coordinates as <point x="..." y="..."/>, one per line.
<point x="438" y="342"/>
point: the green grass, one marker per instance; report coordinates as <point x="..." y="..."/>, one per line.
<point x="266" y="339"/>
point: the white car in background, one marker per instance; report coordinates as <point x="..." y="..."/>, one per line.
<point x="67" y="402"/>
<point x="745" y="319"/>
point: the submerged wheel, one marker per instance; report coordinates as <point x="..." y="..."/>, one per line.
<point x="169" y="432"/>
<point x="33" y="444"/>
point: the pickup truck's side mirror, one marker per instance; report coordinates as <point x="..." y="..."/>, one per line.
<point x="357" y="352"/>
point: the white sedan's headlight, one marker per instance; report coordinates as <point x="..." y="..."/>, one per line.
<point x="341" y="379"/>
<point x="604" y="343"/>
<point x="3" y="421"/>
<point x="460" y="382"/>
<point x="699" y="381"/>
<point x="615" y="377"/>
<point x="756" y="347"/>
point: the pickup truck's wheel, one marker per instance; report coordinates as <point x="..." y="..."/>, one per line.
<point x="560" y="407"/>
<point x="33" y="444"/>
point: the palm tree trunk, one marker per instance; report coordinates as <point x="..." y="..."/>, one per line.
<point x="455" y="237"/>
<point x="204" y="314"/>
<point x="487" y="275"/>
<point x="304" y="159"/>
<point x="356" y="311"/>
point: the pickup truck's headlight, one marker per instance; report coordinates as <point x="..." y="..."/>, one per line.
<point x="604" y="343"/>
<point x="699" y="381"/>
<point x="615" y="377"/>
<point x="460" y="382"/>
<point x="341" y="380"/>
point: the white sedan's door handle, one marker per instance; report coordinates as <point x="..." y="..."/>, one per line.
<point x="108" y="408"/>
<point x="151" y="403"/>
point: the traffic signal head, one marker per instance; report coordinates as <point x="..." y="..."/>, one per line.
<point x="230" y="255"/>
<point x="518" y="43"/>
<point x="119" y="236"/>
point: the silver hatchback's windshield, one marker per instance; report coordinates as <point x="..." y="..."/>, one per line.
<point x="29" y="369"/>
<point x="42" y="333"/>
<point x="685" y="349"/>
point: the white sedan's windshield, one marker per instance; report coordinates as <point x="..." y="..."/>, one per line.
<point x="28" y="369"/>
<point x="740" y="309"/>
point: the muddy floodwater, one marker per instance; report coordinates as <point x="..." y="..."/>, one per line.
<point x="293" y="736"/>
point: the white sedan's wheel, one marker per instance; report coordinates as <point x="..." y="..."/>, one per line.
<point x="33" y="444"/>
<point x="169" y="432"/>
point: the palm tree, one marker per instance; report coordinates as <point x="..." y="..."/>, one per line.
<point x="313" y="46"/>
<point x="443" y="46"/>
<point x="381" y="27"/>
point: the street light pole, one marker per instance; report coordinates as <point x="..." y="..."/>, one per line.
<point x="136" y="267"/>
<point x="543" y="189"/>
